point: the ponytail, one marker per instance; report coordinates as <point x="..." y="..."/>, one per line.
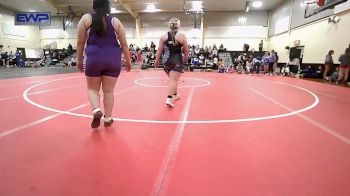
<point x="99" y="20"/>
<point x="99" y="23"/>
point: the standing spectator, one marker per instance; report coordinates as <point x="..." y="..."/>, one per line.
<point x="328" y="63"/>
<point x="221" y="48"/>
<point x="153" y="46"/>
<point x="266" y="61"/>
<point x="146" y="49"/>
<point x="272" y="62"/>
<point x="69" y="49"/>
<point x="344" y="66"/>
<point x="2" y="55"/>
<point x="261" y="44"/>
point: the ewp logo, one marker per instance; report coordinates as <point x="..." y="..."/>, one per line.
<point x="36" y="18"/>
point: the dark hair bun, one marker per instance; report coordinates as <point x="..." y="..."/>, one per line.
<point x="101" y="5"/>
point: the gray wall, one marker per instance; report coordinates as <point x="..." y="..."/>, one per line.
<point x="298" y="14"/>
<point x="6" y="11"/>
<point x="162" y="19"/>
<point x="296" y="10"/>
<point x="281" y="11"/>
<point x="254" y="18"/>
<point x="127" y="20"/>
<point x="56" y="22"/>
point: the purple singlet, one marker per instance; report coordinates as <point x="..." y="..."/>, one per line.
<point x="103" y="54"/>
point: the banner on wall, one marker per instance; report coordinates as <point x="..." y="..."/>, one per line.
<point x="33" y="18"/>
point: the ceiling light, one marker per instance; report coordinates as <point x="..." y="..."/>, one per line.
<point x="257" y="4"/>
<point x="114" y="10"/>
<point x="197" y="5"/>
<point x="151" y="8"/>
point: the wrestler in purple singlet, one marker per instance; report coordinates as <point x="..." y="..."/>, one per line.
<point x="103" y="54"/>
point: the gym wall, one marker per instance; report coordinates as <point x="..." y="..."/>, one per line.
<point x="234" y="29"/>
<point x="316" y="34"/>
<point x="55" y="33"/>
<point x="13" y="37"/>
<point x="219" y="27"/>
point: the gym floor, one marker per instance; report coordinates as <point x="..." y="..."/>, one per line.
<point x="229" y="134"/>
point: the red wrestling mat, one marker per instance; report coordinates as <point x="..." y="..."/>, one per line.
<point x="228" y="135"/>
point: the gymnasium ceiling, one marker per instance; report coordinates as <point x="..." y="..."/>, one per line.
<point x="133" y="7"/>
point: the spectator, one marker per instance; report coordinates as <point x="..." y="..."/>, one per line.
<point x="344" y="66"/>
<point x="153" y="46"/>
<point x="334" y="75"/>
<point x="240" y="68"/>
<point x="146" y="49"/>
<point x="272" y="62"/>
<point x="257" y="64"/>
<point x="261" y="44"/>
<point x="266" y="61"/>
<point x="3" y="55"/>
<point x="328" y="63"/>
<point x="249" y="66"/>
<point x="221" y="49"/>
<point x="69" y="49"/>
<point x="5" y="59"/>
<point x="285" y="69"/>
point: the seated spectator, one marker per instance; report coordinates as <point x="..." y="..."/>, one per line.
<point x="146" y="49"/>
<point x="221" y="67"/>
<point x="240" y="68"/>
<point x="195" y="62"/>
<point x="215" y="61"/>
<point x="33" y="63"/>
<point x="230" y="69"/>
<point x="285" y="69"/>
<point x="201" y="59"/>
<point x="151" y="59"/>
<point x="5" y="59"/>
<point x="48" y="62"/>
<point x="19" y="59"/>
<point x="72" y="62"/>
<point x="249" y="66"/>
<point x="334" y="75"/>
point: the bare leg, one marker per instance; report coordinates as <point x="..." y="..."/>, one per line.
<point x="108" y="84"/>
<point x="93" y="85"/>
<point x="172" y="89"/>
<point x="346" y="77"/>
<point x="341" y="74"/>
<point x="174" y="78"/>
<point x="326" y="70"/>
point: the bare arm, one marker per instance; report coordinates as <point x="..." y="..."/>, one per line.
<point x="159" y="51"/>
<point x="83" y="24"/>
<point x="185" y="47"/>
<point x="119" y="28"/>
